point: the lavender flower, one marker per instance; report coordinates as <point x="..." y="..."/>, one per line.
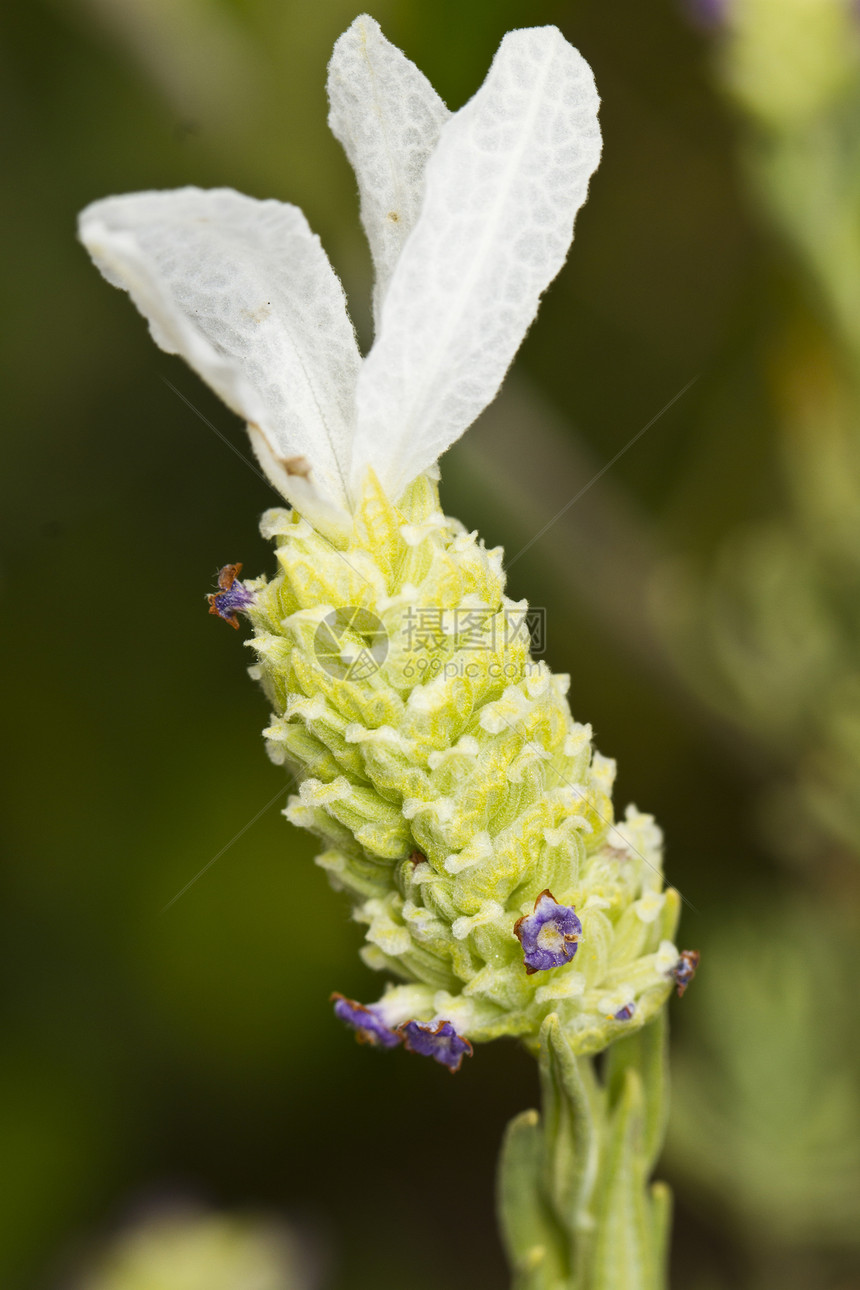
<point x="447" y="800"/>
<point x="443" y="1044"/>
<point x="550" y="935"/>
<point x="368" y="1025"/>
<point x="446" y="803"/>
<point x="685" y="969"/>
<point x="233" y="598"/>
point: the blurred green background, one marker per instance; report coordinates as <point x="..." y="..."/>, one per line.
<point x="704" y="593"/>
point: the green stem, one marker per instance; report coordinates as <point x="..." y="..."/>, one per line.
<point x="576" y="1208"/>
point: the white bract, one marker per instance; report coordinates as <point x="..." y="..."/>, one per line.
<point x="469" y="216"/>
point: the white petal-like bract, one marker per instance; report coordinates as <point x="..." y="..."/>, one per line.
<point x="469" y="218"/>
<point x="502" y="188"/>
<point x="388" y="116"/>
<point x="244" y="292"/>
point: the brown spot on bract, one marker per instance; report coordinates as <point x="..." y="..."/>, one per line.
<point x="393" y="216"/>
<point x="259" y="314"/>
<point x="296" y="466"/>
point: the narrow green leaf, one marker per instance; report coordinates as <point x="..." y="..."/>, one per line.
<point x="573" y="1115"/>
<point x="623" y="1253"/>
<point x="535" y="1244"/>
<point x="572" y="1110"/>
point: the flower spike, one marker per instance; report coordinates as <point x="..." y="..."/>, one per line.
<point x="446" y="777"/>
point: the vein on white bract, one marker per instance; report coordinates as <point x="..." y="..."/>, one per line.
<point x="469" y="216"/>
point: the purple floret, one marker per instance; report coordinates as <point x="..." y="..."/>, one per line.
<point x="368" y="1025"/>
<point x="443" y="1043"/>
<point x="685" y="969"/>
<point x="233" y="598"/>
<point x="625" y="1013"/>
<point x="550" y="936"/>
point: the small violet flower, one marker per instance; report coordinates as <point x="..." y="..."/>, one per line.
<point x="625" y="1013"/>
<point x="442" y="1043"/>
<point x="233" y="598"/>
<point x="550" y="935"/>
<point x="469" y="216"/>
<point x="685" y="969"/>
<point x="368" y="1025"/>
